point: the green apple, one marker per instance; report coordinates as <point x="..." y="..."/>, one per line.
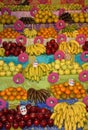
<point x="73" y="71"/>
<point x="67" y="72"/>
<point x="61" y="72"/>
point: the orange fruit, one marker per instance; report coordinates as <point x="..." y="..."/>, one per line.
<point x="60" y="85"/>
<point x="77" y="83"/>
<point x="63" y="89"/>
<point x="63" y="96"/>
<point x="11" y="98"/>
<point x="24" y="97"/>
<point x="82" y="91"/>
<point x="21" y="93"/>
<point x="5" y="97"/>
<point x="9" y="93"/>
<point x="18" y="97"/>
<point x="59" y="92"/>
<point x="83" y="95"/>
<point x="76" y="91"/>
<point x="78" y="96"/>
<point x="19" y="88"/>
<point x="3" y="93"/>
<point x="67" y="92"/>
<point x="71" y="88"/>
<point x="11" y="88"/>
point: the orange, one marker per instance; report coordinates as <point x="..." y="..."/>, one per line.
<point x="8" y="93"/>
<point x="11" y="88"/>
<point x="3" y="93"/>
<point x="60" y="85"/>
<point x="83" y="95"/>
<point x="78" y="96"/>
<point x="63" y="96"/>
<point x="76" y="91"/>
<point x="11" y="98"/>
<point x="59" y="92"/>
<point x="19" y="88"/>
<point x="18" y="97"/>
<point x="77" y="83"/>
<point x="67" y="92"/>
<point x="14" y="93"/>
<point x="79" y="87"/>
<point x="82" y="91"/>
<point x="63" y="89"/>
<point x="21" y="93"/>
<point x="71" y="88"/>
<point x="24" y="97"/>
<point x="5" y="97"/>
<point x="72" y="95"/>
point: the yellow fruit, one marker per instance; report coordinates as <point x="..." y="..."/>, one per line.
<point x="37" y="20"/>
<point x="43" y="20"/>
<point x="76" y="20"/>
<point x="86" y="20"/>
<point x="82" y="20"/>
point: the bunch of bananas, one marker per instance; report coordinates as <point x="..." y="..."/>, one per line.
<point x="36" y="49"/>
<point x="71" y="34"/>
<point x="36" y="73"/>
<point x="85" y="66"/>
<point x="2" y="51"/>
<point x="71" y="47"/>
<point x="71" y="116"/>
<point x="30" y="33"/>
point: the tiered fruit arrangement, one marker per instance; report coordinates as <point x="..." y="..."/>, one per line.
<point x="65" y="67"/>
<point x="13" y="48"/>
<point x="51" y="47"/>
<point x="13" y="93"/>
<point x="9" y="33"/>
<point x="36" y="73"/>
<point x="66" y="91"/>
<point x="80" y="17"/>
<point x="7" y="19"/>
<point x="45" y="17"/>
<point x="9" y="69"/>
<point x="36" y="96"/>
<point x="71" y="116"/>
<point x="19" y="7"/>
<point x="30" y="33"/>
<point x="83" y="30"/>
<point x="85" y="46"/>
<point x="12" y="118"/>
<point x="47" y="32"/>
<point x="35" y="49"/>
<point x="71" y="47"/>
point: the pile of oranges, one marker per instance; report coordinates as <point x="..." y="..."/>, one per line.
<point x="9" y="33"/>
<point x="83" y="30"/>
<point x="65" y="91"/>
<point x="47" y="33"/>
<point x="14" y="93"/>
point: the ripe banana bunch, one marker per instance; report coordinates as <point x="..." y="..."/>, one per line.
<point x="30" y="33"/>
<point x="85" y="66"/>
<point x="71" y="47"/>
<point x="36" y="49"/>
<point x="2" y="51"/>
<point x="71" y="34"/>
<point x="36" y="73"/>
<point x="71" y="116"/>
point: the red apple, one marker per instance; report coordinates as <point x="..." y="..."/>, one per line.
<point x="7" y="53"/>
<point x="47" y="115"/>
<point x="32" y="115"/>
<point x="1" y="113"/>
<point x="12" y="111"/>
<point x="36" y="122"/>
<point x="40" y="116"/>
<point x="15" y="125"/>
<point x="43" y="110"/>
<point x="18" y="117"/>
<point x="1" y="125"/>
<point x="33" y="109"/>
<point x="10" y="118"/>
<point x="50" y="122"/>
<point x="26" y="117"/>
<point x="5" y="111"/>
<point x="3" y="119"/>
<point x="22" y="124"/>
<point x="52" y="41"/>
<point x="7" y="126"/>
<point x="29" y="123"/>
<point x="43" y="123"/>
<point x="48" y="52"/>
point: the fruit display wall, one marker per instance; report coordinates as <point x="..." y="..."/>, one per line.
<point x="44" y="66"/>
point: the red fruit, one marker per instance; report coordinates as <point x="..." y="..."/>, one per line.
<point x="12" y="51"/>
<point x="1" y="113"/>
<point x="52" y="41"/>
<point x="28" y="106"/>
<point x="33" y="109"/>
<point x="48" y="52"/>
<point x="4" y="44"/>
<point x="29" y="123"/>
<point x="7" y="53"/>
<point x="40" y="116"/>
<point x="33" y="115"/>
<point x="43" y="123"/>
<point x="19" y="44"/>
<point x="36" y="122"/>
<point x="3" y="119"/>
<point x="50" y="122"/>
<point x="12" y="111"/>
<point x="18" y="117"/>
<point x="1" y="125"/>
<point x="22" y="124"/>
<point x="43" y="110"/>
<point x="14" y="45"/>
<point x="26" y="117"/>
<point x="10" y="118"/>
<point x="15" y="125"/>
<point x="5" y="111"/>
<point x="16" y="53"/>
<point x="47" y="115"/>
<point x="7" y="126"/>
<point x="53" y="50"/>
<point x="56" y="46"/>
<point x="23" y="48"/>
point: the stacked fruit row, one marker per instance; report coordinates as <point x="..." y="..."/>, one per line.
<point x="65" y="90"/>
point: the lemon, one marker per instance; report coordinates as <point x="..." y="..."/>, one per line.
<point x="76" y="20"/>
<point x="82" y="20"/>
